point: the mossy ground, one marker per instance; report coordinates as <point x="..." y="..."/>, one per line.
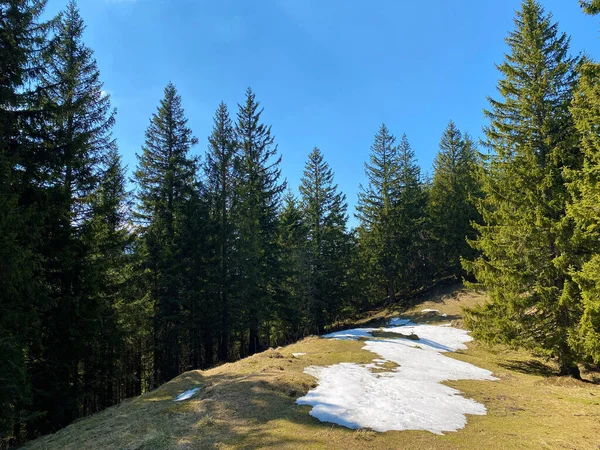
<point x="250" y="403"/>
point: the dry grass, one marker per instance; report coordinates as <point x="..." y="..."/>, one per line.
<point x="250" y="403"/>
<point x="393" y="335"/>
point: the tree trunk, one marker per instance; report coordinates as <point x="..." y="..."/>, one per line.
<point x="567" y="367"/>
<point x="253" y="342"/>
<point x="208" y="349"/>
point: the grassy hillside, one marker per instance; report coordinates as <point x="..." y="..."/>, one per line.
<point x="250" y="403"/>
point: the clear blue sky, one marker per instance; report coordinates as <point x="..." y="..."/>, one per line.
<point x="327" y="72"/>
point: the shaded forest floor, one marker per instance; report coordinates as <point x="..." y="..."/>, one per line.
<point x="250" y="403"/>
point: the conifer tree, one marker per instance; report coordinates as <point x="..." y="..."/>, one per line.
<point x="590" y="7"/>
<point x="199" y="307"/>
<point x="23" y="38"/>
<point x="221" y="178"/>
<point x="165" y="177"/>
<point x="324" y="210"/>
<point x="376" y="209"/>
<point x="259" y="191"/>
<point x="584" y="186"/>
<point x="451" y="200"/>
<point x="78" y="136"/>
<point x="293" y="304"/>
<point x="109" y="241"/>
<point x="410" y="212"/>
<point x="524" y="238"/>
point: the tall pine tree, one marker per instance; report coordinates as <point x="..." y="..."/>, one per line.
<point x="221" y="178"/>
<point x="584" y="187"/>
<point x="165" y="176"/>
<point x="78" y="138"/>
<point x="410" y="212"/>
<point x="23" y="39"/>
<point x="109" y="240"/>
<point x="259" y="191"/>
<point x="451" y="200"/>
<point x="376" y="210"/>
<point x="524" y="238"/>
<point x="293" y="303"/>
<point x="324" y="211"/>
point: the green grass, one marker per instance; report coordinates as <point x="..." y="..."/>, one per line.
<point x="250" y="403"/>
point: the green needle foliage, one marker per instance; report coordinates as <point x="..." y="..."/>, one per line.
<point x="585" y="205"/>
<point x="393" y="237"/>
<point x="23" y="39"/>
<point x="166" y="182"/>
<point x="76" y="148"/>
<point x="293" y="315"/>
<point x="590" y="7"/>
<point x="585" y="209"/>
<point x="221" y="175"/>
<point x="524" y="238"/>
<point x="324" y="211"/>
<point x="377" y="211"/>
<point x="259" y="191"/>
<point x="410" y="212"/>
<point x="452" y="200"/>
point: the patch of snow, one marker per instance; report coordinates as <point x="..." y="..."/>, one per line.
<point x="411" y="396"/>
<point x="297" y="355"/>
<point x="444" y="315"/>
<point x="399" y="322"/>
<point x="186" y="395"/>
<point x="351" y="335"/>
<point x="427" y="310"/>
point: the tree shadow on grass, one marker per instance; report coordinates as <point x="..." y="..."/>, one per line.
<point x="245" y="411"/>
<point x="530" y="367"/>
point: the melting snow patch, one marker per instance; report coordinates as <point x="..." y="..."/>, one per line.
<point x="399" y="322"/>
<point x="350" y="335"/>
<point x="427" y="310"/>
<point x="186" y="395"/>
<point x="297" y="355"/>
<point x="411" y="396"/>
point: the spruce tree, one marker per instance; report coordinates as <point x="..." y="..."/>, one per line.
<point x="259" y="191"/>
<point x="199" y="307"/>
<point x="376" y="210"/>
<point x="590" y="7"/>
<point x="165" y="177"/>
<point x="109" y="241"/>
<point x="524" y="237"/>
<point x="584" y="187"/>
<point x="221" y="179"/>
<point x="78" y="136"/>
<point x="324" y="211"/>
<point x="451" y="200"/>
<point x="23" y="38"/>
<point x="293" y="304"/>
<point x="410" y="212"/>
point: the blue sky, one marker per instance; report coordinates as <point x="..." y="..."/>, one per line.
<point x="327" y="72"/>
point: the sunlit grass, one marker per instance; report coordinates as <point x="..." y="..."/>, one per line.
<point x="250" y="403"/>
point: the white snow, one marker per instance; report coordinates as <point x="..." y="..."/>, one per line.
<point x="396" y="321"/>
<point x="427" y="310"/>
<point x="186" y="395"/>
<point x="350" y="335"/>
<point x="411" y="396"/>
<point x="297" y="355"/>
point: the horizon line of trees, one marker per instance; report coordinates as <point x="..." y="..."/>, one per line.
<point x="107" y="293"/>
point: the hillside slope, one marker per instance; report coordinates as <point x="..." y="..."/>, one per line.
<point x="251" y="403"/>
